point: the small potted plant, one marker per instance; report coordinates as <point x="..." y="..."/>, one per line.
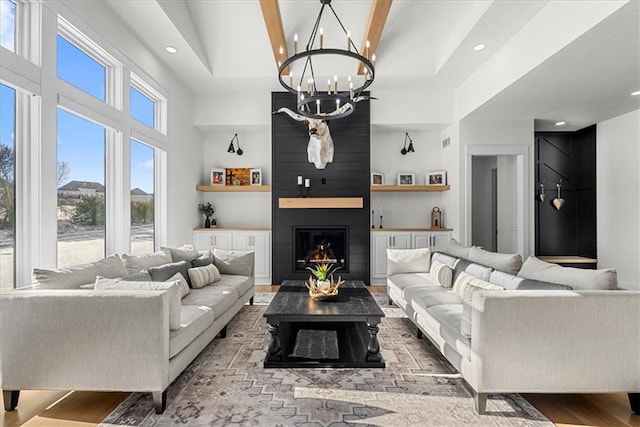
<point x="322" y="272"/>
<point x="207" y="210"/>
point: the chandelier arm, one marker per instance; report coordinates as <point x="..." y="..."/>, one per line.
<point x="314" y="30"/>
<point x="343" y="29"/>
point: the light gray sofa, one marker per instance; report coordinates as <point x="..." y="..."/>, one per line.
<point x="112" y="340"/>
<point x="530" y="337"/>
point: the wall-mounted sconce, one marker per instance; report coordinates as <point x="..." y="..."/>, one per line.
<point x="406" y="149"/>
<point x="558" y="202"/>
<point x="231" y="148"/>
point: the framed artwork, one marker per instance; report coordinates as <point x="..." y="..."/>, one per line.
<point x="238" y="176"/>
<point x="436" y="178"/>
<point x="377" y="178"/>
<point x="217" y="177"/>
<point x="256" y="176"/>
<point x="406" y="178"/>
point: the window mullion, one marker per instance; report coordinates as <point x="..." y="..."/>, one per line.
<point x="117" y="200"/>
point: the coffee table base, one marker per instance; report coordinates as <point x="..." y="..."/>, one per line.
<point x="352" y="343"/>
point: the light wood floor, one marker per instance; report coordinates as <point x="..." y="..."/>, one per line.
<point x="39" y="408"/>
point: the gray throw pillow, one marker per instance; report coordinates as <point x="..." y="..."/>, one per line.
<point x="538" y="284"/>
<point x="202" y="260"/>
<point x="578" y="278"/>
<point x="141" y="276"/>
<point x="476" y="270"/>
<point x="510" y="263"/>
<point x="456" y="249"/>
<point x="234" y="262"/>
<point x="183" y="253"/>
<point x="167" y="271"/>
<point x="444" y="258"/>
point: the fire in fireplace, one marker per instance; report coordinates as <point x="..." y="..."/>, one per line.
<point x="321" y="245"/>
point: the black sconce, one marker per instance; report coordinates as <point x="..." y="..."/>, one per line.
<point x="406" y="149"/>
<point x="231" y="148"/>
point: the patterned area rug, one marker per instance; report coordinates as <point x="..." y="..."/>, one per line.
<point x="227" y="386"/>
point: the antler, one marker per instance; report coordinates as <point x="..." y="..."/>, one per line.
<point x="294" y="116"/>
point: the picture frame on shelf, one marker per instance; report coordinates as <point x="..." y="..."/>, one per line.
<point x="218" y="176"/>
<point x="436" y="178"/>
<point x="238" y="176"/>
<point x="377" y="178"/>
<point x="405" y="178"/>
<point x="256" y="176"/>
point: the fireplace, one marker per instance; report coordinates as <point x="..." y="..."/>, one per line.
<point x="321" y="245"/>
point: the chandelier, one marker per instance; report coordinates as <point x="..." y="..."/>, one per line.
<point x="304" y="72"/>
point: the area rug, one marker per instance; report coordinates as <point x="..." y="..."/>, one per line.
<point x="226" y="385"/>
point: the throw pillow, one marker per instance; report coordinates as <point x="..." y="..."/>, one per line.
<point x="141" y="276"/>
<point x="509" y="263"/>
<point x="76" y="276"/>
<point x="401" y="261"/>
<point x="171" y="288"/>
<point x="464" y="266"/>
<point x="202" y="276"/>
<point x="184" y="253"/>
<point x="577" y="278"/>
<point x="441" y="273"/>
<point x="163" y="272"/>
<point x="530" y="284"/>
<point x="444" y="258"/>
<point x="234" y="262"/>
<point x="456" y="249"/>
<point x="202" y="260"/>
<point x="464" y="287"/>
<point x="182" y="284"/>
<point x="136" y="263"/>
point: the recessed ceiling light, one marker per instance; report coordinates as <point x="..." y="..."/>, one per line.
<point x="561" y="123"/>
<point x="171" y="49"/>
<point x="635" y="93"/>
<point x="479" y="47"/>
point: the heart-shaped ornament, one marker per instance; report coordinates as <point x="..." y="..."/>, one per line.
<point x="558" y="203"/>
<point x="542" y="196"/>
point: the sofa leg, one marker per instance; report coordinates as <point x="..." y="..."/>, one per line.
<point x="480" y="402"/>
<point x="390" y="301"/>
<point x="10" y="399"/>
<point x="223" y="332"/>
<point x="419" y="334"/>
<point x="634" y="402"/>
<point x="159" y="401"/>
<point x="251" y="301"/>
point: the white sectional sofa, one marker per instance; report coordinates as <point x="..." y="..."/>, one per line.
<point x="57" y="335"/>
<point x="543" y="329"/>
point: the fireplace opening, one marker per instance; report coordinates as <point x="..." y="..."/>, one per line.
<point x="321" y="245"/>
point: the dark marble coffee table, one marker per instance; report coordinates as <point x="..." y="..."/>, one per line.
<point x="337" y="334"/>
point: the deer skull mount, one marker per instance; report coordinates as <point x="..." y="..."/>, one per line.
<point x="320" y="145"/>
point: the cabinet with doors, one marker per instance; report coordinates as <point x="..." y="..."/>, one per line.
<point x="256" y="240"/>
<point x="401" y="239"/>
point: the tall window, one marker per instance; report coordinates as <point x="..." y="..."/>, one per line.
<point x="8" y="24"/>
<point x="81" y="190"/>
<point x="142" y="108"/>
<point x="142" y="202"/>
<point x="76" y="67"/>
<point x="7" y="185"/>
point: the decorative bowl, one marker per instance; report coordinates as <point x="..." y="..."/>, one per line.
<point x="323" y="291"/>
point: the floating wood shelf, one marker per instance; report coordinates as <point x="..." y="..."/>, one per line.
<point x="408" y="188"/>
<point x="566" y="259"/>
<point x="409" y="229"/>
<point x="321" y="203"/>
<point x="234" y="188"/>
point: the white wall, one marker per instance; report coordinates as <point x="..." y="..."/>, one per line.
<point x="618" y="194"/>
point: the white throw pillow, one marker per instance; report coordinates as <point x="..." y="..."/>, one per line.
<point x="441" y="273"/>
<point x="401" y="261"/>
<point x="456" y="249"/>
<point x="182" y="284"/>
<point x="577" y="278"/>
<point x="172" y="289"/>
<point x="509" y="263"/>
<point x="203" y="276"/>
<point x="76" y="276"/>
<point x="464" y="287"/>
<point x="136" y="263"/>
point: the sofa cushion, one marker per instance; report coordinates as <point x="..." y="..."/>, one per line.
<point x="430" y="297"/>
<point x="456" y="249"/>
<point x="234" y="262"/>
<point x="441" y="273"/>
<point x="480" y="271"/>
<point x="402" y="281"/>
<point x="401" y="261"/>
<point x="218" y="298"/>
<point x="202" y="260"/>
<point x="446" y="319"/>
<point x="163" y="272"/>
<point x="76" y="276"/>
<point x="464" y="287"/>
<point x="444" y="258"/>
<point x="203" y="276"/>
<point x="182" y="284"/>
<point x="135" y="263"/>
<point x="183" y="253"/>
<point x="577" y="278"/>
<point x="509" y="263"/>
<point x="242" y="284"/>
<point x="194" y="320"/>
<point x="172" y="289"/>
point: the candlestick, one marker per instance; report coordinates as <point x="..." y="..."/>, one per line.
<point x="380" y="221"/>
<point x="329" y="87"/>
<point x="366" y="49"/>
<point x="335" y="83"/>
<point x="373" y="223"/>
<point x="299" y="179"/>
<point x="307" y="182"/>
<point x="291" y="79"/>
<point x="380" y="208"/>
<point x="295" y="43"/>
<point x="321" y="38"/>
<point x="349" y="41"/>
<point x="299" y="190"/>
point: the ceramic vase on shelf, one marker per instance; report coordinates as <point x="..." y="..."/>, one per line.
<point x="207" y="223"/>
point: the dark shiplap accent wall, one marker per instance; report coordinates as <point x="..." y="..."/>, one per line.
<point x="347" y="176"/>
<point x="570" y="156"/>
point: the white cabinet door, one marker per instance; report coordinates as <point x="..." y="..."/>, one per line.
<point x="203" y="240"/>
<point x="379" y="244"/>
<point x="440" y="240"/>
<point x="222" y="240"/>
<point x="401" y="240"/>
<point x="421" y="240"/>
<point x="261" y="243"/>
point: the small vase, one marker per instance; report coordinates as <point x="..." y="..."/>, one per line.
<point x="207" y="223"/>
